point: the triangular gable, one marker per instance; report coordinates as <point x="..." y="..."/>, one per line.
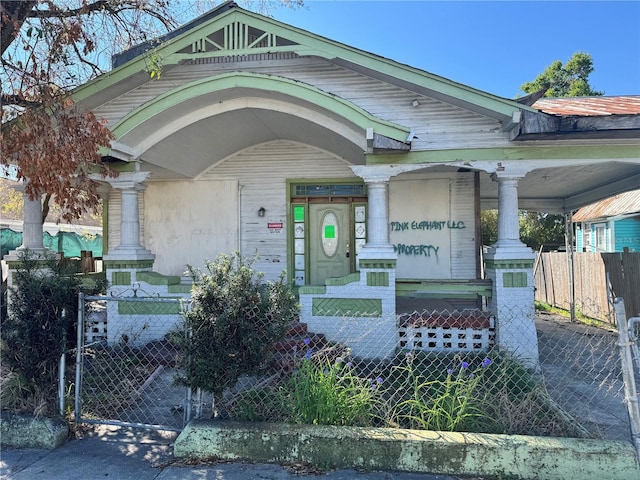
<point x="230" y="30"/>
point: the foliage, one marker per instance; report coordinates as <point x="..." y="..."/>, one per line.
<point x="453" y="404"/>
<point x="330" y="393"/>
<point x="36" y="332"/>
<point x="233" y="323"/>
<point x="55" y="151"/>
<point x="537" y="229"/>
<point x="568" y="80"/>
<point x="489" y="226"/>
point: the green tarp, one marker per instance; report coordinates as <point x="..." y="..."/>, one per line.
<point x="69" y="243"/>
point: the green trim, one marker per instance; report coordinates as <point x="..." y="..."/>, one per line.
<point x="155" y="278"/>
<point x="121" y="278"/>
<point x="268" y="84"/>
<point x="469" y="289"/>
<point x="312" y="290"/>
<point x="127" y="264"/>
<point x="517" y="152"/>
<point x="123" y="167"/>
<point x="514" y="279"/>
<point x="378" y="279"/>
<point x="149" y="308"/>
<point x="513" y="264"/>
<point x="377" y="264"/>
<point x="356" y="307"/>
<point x="341" y="281"/>
<point x="179" y="288"/>
<point x="105" y="226"/>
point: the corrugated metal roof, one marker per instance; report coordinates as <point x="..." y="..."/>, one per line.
<point x="589" y="106"/>
<point x="624" y="203"/>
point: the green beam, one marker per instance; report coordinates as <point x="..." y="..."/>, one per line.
<point x="559" y="152"/>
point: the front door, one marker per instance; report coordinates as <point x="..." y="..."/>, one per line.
<point x="329" y="241"/>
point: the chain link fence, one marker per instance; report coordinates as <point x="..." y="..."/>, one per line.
<point x="447" y="373"/>
<point x="126" y="373"/>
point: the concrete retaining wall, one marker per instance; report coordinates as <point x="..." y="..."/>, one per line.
<point x="503" y="456"/>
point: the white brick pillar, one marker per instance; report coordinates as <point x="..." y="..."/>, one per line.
<point x="509" y="264"/>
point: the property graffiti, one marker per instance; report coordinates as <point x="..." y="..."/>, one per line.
<point x="427" y="225"/>
<point x="419" y="250"/>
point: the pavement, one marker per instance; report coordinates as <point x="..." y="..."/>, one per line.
<point x="120" y="453"/>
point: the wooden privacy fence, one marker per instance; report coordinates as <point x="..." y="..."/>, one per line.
<point x="553" y="282"/>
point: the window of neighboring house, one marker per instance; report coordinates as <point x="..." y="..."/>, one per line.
<point x="600" y="230"/>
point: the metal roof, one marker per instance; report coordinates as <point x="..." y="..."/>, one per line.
<point x="589" y="106"/>
<point x="624" y="203"/>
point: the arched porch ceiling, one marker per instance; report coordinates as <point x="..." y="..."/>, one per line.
<point x="186" y="130"/>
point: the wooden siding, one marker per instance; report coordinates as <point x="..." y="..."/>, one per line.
<point x="437" y="125"/>
<point x="262" y="172"/>
<point x="463" y="242"/>
<point x="627" y="234"/>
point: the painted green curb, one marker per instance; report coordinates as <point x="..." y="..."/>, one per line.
<point x="27" y="431"/>
<point x="500" y="456"/>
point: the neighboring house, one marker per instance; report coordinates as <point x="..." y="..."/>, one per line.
<point x="360" y="177"/>
<point x="611" y="225"/>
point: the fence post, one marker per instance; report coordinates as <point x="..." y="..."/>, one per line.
<point x="79" y="344"/>
<point x="626" y="360"/>
<point x="62" y="366"/>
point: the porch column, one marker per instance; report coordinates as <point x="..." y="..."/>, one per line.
<point x="32" y="238"/>
<point x="129" y="184"/>
<point x="32" y="229"/>
<point x="124" y="262"/>
<point x="509" y="264"/>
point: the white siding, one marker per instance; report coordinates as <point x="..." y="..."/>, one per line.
<point x="437" y="125"/>
<point x="262" y="172"/>
<point x="463" y="241"/>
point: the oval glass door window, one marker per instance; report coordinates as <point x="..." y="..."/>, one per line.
<point x="330" y="234"/>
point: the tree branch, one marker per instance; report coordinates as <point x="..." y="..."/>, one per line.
<point x="18" y="101"/>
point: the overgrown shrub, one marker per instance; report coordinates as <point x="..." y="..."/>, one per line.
<point x="35" y="332"/>
<point x="233" y="323"/>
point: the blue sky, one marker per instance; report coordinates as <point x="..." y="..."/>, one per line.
<point x="492" y="46"/>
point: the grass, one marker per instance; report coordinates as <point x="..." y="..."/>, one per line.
<point x="447" y="392"/>
<point x="581" y="317"/>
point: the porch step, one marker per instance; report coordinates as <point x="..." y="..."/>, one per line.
<point x="297" y="341"/>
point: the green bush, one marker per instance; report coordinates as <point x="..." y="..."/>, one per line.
<point x="36" y="332"/>
<point x="233" y="323"/>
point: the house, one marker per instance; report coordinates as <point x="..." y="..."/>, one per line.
<point x="360" y="177"/>
<point x="610" y="225"/>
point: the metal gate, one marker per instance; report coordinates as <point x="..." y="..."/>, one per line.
<point x="128" y="377"/>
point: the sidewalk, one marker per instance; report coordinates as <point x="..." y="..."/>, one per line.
<point x="116" y="453"/>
